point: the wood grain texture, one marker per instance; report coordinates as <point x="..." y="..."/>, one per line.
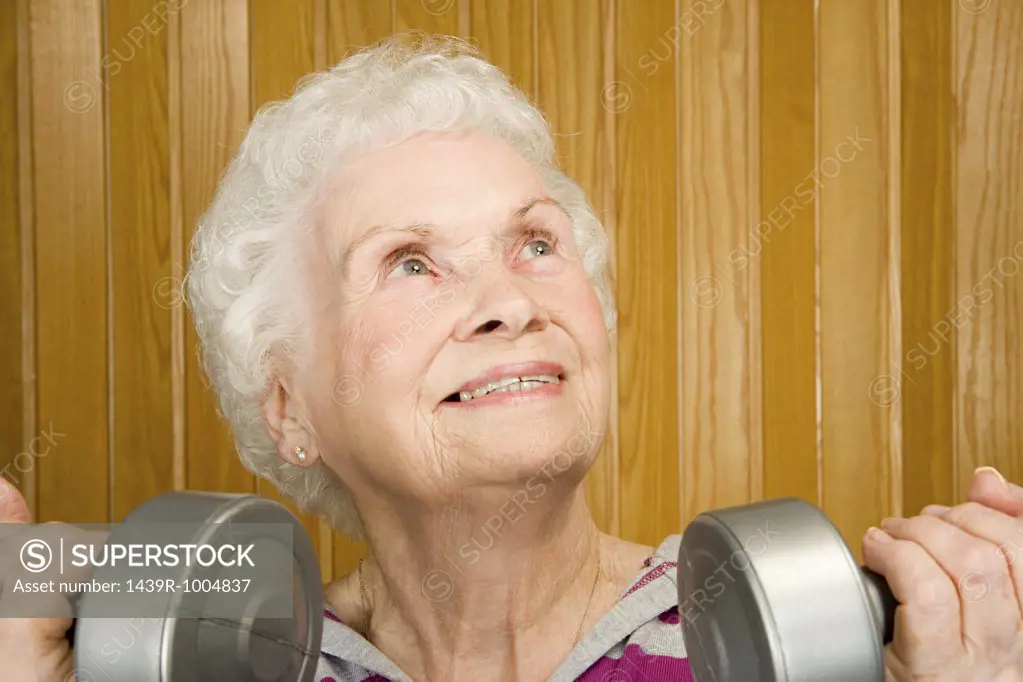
<point x="719" y="288"/>
<point x="572" y="73"/>
<point x="282" y="49"/>
<point x="353" y="24"/>
<point x="429" y="16"/>
<point x="12" y="409"/>
<point x="858" y="319"/>
<point x="505" y="31"/>
<point x="175" y="149"/>
<point x="143" y="279"/>
<point x="642" y="100"/>
<point x="214" y="116"/>
<point x="927" y="381"/>
<point x="26" y="258"/>
<point x="782" y="239"/>
<point x="989" y="240"/>
<point x="282" y="52"/>
<point x="70" y="262"/>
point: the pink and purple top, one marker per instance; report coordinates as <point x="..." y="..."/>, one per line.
<point x="638" y="640"/>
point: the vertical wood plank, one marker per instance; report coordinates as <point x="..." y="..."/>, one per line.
<point x="321" y="28"/>
<point x="858" y="270"/>
<point x="720" y="282"/>
<point x="925" y="372"/>
<point x="430" y="16"/>
<point x="283" y="47"/>
<point x="144" y="283"/>
<point x="283" y="50"/>
<point x="214" y="115"/>
<point x="352" y="24"/>
<point x="571" y="66"/>
<point x="989" y="239"/>
<point x="642" y="101"/>
<point x="175" y="148"/>
<point x="13" y="438"/>
<point x="782" y="238"/>
<point x="70" y="260"/>
<point x="26" y="230"/>
<point x="504" y="31"/>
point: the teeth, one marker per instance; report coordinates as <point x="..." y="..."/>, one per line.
<point x="510" y="385"/>
<point x="545" y="378"/>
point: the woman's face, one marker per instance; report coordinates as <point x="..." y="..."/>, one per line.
<point x="449" y="268"/>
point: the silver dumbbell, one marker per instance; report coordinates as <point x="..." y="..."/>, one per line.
<point x="770" y="592"/>
<point x="179" y="643"/>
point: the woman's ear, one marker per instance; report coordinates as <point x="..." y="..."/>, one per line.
<point x="282" y="414"/>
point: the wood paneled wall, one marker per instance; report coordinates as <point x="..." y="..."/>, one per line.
<point x="815" y="209"/>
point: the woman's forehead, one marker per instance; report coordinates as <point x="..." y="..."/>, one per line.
<point x="452" y="180"/>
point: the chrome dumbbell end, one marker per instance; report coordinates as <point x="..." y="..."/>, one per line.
<point x="271" y="632"/>
<point x="882" y="603"/>
<point x="770" y="592"/>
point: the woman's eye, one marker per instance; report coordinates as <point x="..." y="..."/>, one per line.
<point x="410" y="267"/>
<point x="538" y="248"/>
<point x="415" y="266"/>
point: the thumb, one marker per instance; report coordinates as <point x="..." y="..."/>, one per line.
<point x="13" y="508"/>
<point x="991" y="489"/>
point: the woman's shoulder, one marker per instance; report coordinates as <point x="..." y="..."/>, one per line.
<point x="641" y="564"/>
<point x="652" y="589"/>
<point x="347" y="655"/>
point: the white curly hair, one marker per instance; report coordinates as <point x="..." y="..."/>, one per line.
<point x="241" y="285"/>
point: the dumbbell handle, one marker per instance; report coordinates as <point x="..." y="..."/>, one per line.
<point x="882" y="603"/>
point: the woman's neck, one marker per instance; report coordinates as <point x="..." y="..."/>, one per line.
<point x="494" y="597"/>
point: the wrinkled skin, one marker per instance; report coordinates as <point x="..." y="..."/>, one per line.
<point x="958" y="575"/>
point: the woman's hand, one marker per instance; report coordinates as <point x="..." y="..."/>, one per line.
<point x="31" y="649"/>
<point x="958" y="575"/>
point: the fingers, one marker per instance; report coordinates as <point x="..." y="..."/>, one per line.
<point x="13" y="508"/>
<point x="31" y="648"/>
<point x="976" y="573"/>
<point x="35" y="649"/>
<point x="1003" y="535"/>
<point x="927" y="621"/>
<point x="990" y="488"/>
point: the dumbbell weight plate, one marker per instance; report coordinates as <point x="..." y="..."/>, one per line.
<point x="250" y="647"/>
<point x="770" y="592"/>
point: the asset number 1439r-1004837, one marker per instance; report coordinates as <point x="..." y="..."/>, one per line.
<point x="150" y="585"/>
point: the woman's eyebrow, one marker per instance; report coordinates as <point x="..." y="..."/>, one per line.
<point x="520" y="214"/>
<point x="518" y="219"/>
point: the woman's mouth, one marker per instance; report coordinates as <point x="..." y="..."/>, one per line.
<point x="512" y="384"/>
<point x="507" y="383"/>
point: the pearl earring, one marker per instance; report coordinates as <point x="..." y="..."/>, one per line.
<point x="300" y="453"/>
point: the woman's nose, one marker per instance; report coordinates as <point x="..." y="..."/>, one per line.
<point x="503" y="311"/>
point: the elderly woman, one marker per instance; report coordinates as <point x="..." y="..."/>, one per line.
<point x="405" y="315"/>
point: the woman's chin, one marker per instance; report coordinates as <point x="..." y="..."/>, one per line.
<point x="544" y="450"/>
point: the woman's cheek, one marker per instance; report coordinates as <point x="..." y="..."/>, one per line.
<point x="590" y="314"/>
<point x="386" y="323"/>
<point x="402" y="343"/>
